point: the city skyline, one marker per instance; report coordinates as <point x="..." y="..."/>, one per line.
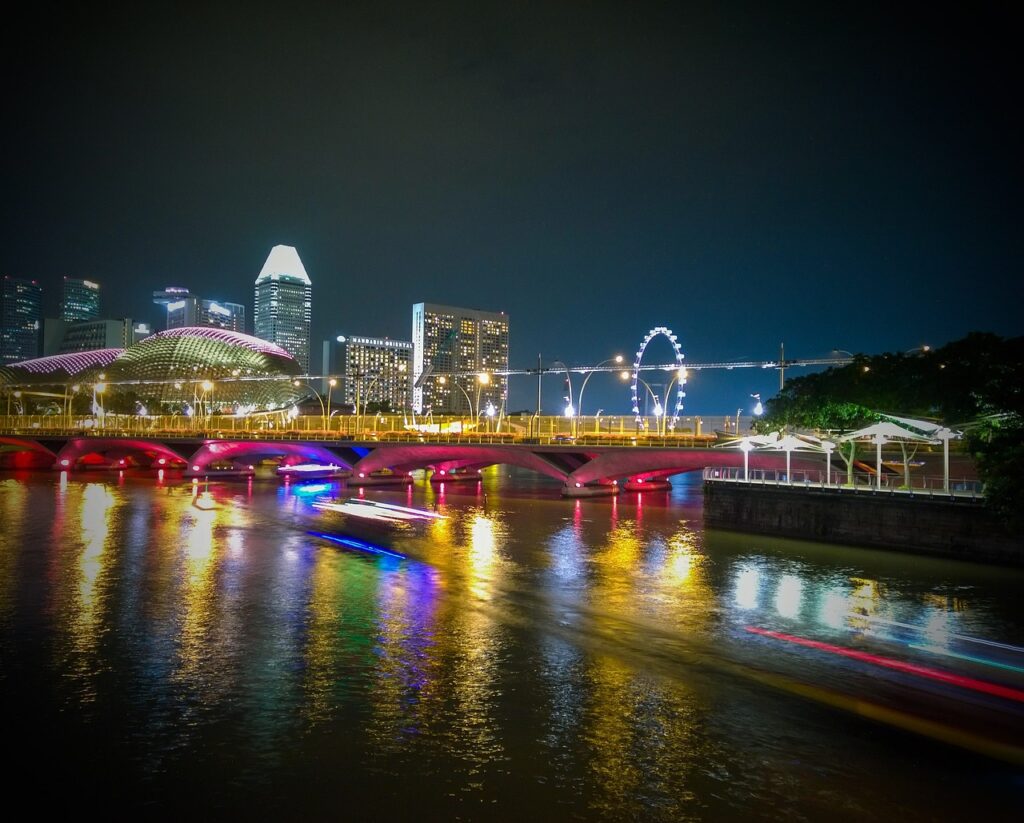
<point x="744" y="177"/>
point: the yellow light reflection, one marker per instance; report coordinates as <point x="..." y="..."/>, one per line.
<point x="14" y="509"/>
<point x="865" y="602"/>
<point x="97" y="502"/>
<point x="683" y="559"/>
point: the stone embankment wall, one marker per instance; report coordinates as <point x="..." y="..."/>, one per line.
<point x="939" y="526"/>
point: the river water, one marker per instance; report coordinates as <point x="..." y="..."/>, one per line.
<point x="166" y="646"/>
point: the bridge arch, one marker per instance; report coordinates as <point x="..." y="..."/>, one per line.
<point x="114" y="452"/>
<point x="661" y="463"/>
<point x="24" y="453"/>
<point x="251" y="451"/>
<point x="410" y="457"/>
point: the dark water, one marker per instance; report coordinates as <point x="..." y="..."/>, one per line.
<point x="531" y="657"/>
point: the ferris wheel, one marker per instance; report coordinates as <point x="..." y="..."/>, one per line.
<point x="662" y="331"/>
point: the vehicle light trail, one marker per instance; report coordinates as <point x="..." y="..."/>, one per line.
<point x="939" y="675"/>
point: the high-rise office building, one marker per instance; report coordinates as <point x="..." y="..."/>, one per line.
<point x="20" y="319"/>
<point x="81" y="300"/>
<point x="284" y="304"/>
<point x="454" y="346"/>
<point x="186" y="309"/>
<point x="219" y="314"/>
<point x="369" y="370"/>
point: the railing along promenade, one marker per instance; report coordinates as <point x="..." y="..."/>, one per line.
<point x="840" y="482"/>
<point x="546" y="430"/>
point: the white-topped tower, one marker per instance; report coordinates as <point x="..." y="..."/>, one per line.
<point x="284" y="304"/>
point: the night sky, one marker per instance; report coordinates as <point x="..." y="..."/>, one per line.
<point x="828" y="177"/>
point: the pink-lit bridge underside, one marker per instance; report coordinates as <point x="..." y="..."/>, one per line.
<point x="588" y="466"/>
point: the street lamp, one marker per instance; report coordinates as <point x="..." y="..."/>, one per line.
<point x="625" y="375"/>
<point x="680" y="375"/>
<point x="97" y="408"/>
<point x="758" y="407"/>
<point x="330" y="387"/>
<point x="482" y="379"/>
<point x="323" y="409"/>
<point x="69" y="402"/>
<point x="586" y="379"/>
<point x="570" y="411"/>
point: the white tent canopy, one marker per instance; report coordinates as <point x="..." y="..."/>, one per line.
<point x="883" y="432"/>
<point x="886" y="430"/>
<point x="789" y="444"/>
<point x="926" y="427"/>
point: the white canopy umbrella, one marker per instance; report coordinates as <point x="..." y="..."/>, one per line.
<point x="789" y="444"/>
<point x="747" y="444"/>
<point x="926" y="427"/>
<point x="935" y="430"/>
<point x="883" y="432"/>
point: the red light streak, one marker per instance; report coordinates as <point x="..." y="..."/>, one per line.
<point x="898" y="665"/>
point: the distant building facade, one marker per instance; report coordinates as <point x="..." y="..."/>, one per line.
<point x="20" y="319"/>
<point x="369" y="370"/>
<point x="80" y="301"/>
<point x="463" y="343"/>
<point x="187" y="310"/>
<point x="61" y="337"/>
<point x="283" y="307"/>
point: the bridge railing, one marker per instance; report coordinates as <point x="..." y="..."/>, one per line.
<point x="839" y="481"/>
<point x="547" y="431"/>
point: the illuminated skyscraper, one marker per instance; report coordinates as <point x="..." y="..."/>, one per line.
<point x="284" y="304"/>
<point x="20" y="319"/>
<point x="373" y="370"/>
<point x="81" y="300"/>
<point x="463" y="343"/>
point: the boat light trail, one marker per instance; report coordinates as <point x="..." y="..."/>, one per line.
<point x="897" y="665"/>
<point x="358" y="545"/>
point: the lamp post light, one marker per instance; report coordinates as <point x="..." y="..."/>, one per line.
<point x="625" y="375"/>
<point x="586" y="379"/>
<point x="69" y="402"/>
<point x="97" y="408"/>
<point x="758" y="406"/>
<point x="482" y="379"/>
<point x="331" y="383"/>
<point x="570" y="409"/>
<point x="680" y="376"/>
<point x="323" y="409"/>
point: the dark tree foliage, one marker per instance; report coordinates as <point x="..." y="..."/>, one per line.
<point x="975" y="384"/>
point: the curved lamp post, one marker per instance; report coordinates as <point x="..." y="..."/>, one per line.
<point x="97" y="407"/>
<point x="323" y="408"/>
<point x="680" y="376"/>
<point x="586" y="379"/>
<point x="570" y="409"/>
<point x="658" y="410"/>
<point x="443" y="380"/>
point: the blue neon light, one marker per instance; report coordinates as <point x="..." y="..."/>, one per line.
<point x="310" y="488"/>
<point x="358" y="545"/>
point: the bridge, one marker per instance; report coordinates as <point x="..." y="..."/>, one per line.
<point x="587" y="464"/>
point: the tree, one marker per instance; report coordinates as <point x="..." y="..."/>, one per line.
<point x="975" y="384"/>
